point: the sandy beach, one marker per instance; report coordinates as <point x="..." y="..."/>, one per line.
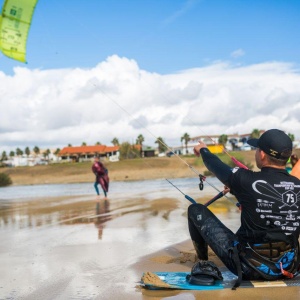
<point x="60" y="241"/>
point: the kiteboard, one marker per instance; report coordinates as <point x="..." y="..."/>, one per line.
<point x="177" y="281"/>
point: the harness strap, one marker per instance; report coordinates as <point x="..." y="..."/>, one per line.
<point x="235" y="256"/>
<point x="286" y="273"/>
<point x="298" y="261"/>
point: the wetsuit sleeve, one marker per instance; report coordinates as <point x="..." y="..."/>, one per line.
<point x="222" y="171"/>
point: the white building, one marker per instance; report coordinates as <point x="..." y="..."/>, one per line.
<point x="32" y="159"/>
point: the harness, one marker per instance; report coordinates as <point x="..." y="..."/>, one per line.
<point x="272" y="260"/>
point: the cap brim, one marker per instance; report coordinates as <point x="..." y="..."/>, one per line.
<point x="253" y="143"/>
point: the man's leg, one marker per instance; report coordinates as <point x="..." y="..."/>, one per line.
<point x="206" y="229"/>
<point x="96" y="188"/>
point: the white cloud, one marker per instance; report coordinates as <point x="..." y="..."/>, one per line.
<point x="52" y="108"/>
<point x="237" y="53"/>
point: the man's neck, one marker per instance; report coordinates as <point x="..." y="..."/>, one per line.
<point x="273" y="166"/>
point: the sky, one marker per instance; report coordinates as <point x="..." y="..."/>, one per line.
<point x="100" y="69"/>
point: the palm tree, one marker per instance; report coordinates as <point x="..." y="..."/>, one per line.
<point x="12" y="153"/>
<point x="140" y="139"/>
<point x="292" y="137"/>
<point x="98" y="143"/>
<point x="46" y="154"/>
<point x="255" y="134"/>
<point x="162" y="147"/>
<point x="27" y="151"/>
<point x="19" y="152"/>
<point x="186" y="138"/>
<point x="115" y="141"/>
<point x="223" y="139"/>
<point x="57" y="151"/>
<point x="4" y="156"/>
<point x="83" y="144"/>
<point x="36" y="150"/>
<point x="69" y="145"/>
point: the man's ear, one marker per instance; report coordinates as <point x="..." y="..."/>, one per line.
<point x="263" y="155"/>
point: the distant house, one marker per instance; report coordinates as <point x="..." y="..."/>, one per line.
<point x="33" y="159"/>
<point x="212" y="143"/>
<point x="237" y="141"/>
<point x="82" y="153"/>
<point x="145" y="151"/>
<point x="207" y="139"/>
<point x="148" y="151"/>
<point x="234" y="142"/>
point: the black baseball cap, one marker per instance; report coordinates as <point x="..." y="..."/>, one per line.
<point x="275" y="143"/>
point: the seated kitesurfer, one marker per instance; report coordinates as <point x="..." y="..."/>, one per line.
<point x="266" y="245"/>
<point x="101" y="176"/>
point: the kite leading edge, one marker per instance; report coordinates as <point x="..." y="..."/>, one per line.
<point x="15" y="21"/>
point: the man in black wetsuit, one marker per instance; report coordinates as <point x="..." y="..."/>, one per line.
<point x="266" y="244"/>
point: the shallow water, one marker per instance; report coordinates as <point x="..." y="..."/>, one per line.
<point x="118" y="188"/>
<point x="63" y="242"/>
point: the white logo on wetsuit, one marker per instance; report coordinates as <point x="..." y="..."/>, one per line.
<point x="235" y="169"/>
<point x="288" y="198"/>
<point x="285" y="201"/>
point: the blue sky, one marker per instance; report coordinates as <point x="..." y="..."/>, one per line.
<point x="162" y="36"/>
<point x="102" y="69"/>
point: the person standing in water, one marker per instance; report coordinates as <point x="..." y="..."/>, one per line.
<point x="102" y="178"/>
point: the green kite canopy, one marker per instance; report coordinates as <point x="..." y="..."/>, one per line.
<point x="15" y="21"/>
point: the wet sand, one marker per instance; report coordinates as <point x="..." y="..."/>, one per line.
<point x="86" y="247"/>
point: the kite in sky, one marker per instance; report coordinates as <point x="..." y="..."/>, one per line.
<point x="15" y="21"/>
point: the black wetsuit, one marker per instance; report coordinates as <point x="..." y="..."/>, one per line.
<point x="270" y="202"/>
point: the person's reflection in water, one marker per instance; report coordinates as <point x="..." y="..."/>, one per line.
<point x="102" y="215"/>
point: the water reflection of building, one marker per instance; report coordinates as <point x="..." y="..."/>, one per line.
<point x="102" y="216"/>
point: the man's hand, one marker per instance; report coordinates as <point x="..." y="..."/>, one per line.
<point x="199" y="147"/>
<point x="226" y="190"/>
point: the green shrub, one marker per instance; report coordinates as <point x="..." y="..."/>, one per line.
<point x="207" y="173"/>
<point x="5" y="180"/>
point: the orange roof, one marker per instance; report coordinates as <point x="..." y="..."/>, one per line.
<point x="137" y="147"/>
<point x="111" y="148"/>
<point x="88" y="149"/>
